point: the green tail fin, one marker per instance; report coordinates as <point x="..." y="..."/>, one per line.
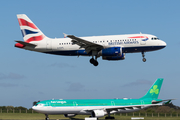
<point x="154" y="90"/>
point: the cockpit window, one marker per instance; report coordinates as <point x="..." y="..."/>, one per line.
<point x="40" y="104"/>
<point x="154" y="38"/>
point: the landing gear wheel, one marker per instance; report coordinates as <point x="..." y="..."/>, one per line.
<point x="95" y="63"/>
<point x="47" y="118"/>
<point x="91" y="60"/>
<point x="144" y="59"/>
<point x="109" y="117"/>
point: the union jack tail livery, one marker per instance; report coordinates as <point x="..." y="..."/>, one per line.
<point x="29" y="30"/>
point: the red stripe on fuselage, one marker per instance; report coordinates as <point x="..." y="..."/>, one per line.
<point x="23" y="22"/>
<point x="35" y="38"/>
<point x="138" y="37"/>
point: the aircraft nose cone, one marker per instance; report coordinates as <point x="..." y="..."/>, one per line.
<point x="163" y="43"/>
<point x="34" y="107"/>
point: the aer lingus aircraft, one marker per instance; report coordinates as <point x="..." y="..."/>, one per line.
<point x="101" y="107"/>
<point x="111" y="47"/>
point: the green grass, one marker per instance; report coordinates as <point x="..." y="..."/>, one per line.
<point x="37" y="116"/>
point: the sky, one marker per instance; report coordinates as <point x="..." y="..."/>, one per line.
<point x="27" y="76"/>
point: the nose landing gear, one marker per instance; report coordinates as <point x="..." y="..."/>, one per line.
<point x="47" y="118"/>
<point x="144" y="59"/>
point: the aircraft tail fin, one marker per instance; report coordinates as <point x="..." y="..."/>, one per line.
<point x="154" y="90"/>
<point x="29" y="30"/>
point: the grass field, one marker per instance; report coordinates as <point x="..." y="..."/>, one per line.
<point x="29" y="116"/>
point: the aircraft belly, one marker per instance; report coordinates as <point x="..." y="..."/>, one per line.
<point x="58" y="110"/>
<point x="141" y="48"/>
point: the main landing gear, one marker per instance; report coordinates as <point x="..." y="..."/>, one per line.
<point x="144" y="59"/>
<point x="109" y="117"/>
<point x="93" y="61"/>
<point x="47" y="118"/>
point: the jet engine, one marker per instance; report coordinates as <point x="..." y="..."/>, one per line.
<point x="98" y="113"/>
<point x="69" y="115"/>
<point x="112" y="53"/>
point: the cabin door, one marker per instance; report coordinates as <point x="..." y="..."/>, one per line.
<point x="112" y="103"/>
<point x="75" y="104"/>
<point x="142" y="102"/>
<point x="48" y="45"/>
<point x="143" y="41"/>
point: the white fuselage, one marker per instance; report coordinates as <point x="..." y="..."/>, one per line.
<point x="64" y="46"/>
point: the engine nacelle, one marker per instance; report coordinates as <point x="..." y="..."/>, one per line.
<point x="69" y="115"/>
<point x="112" y="51"/>
<point x="98" y="113"/>
<point x="122" y="57"/>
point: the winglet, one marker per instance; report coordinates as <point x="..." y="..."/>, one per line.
<point x="65" y="35"/>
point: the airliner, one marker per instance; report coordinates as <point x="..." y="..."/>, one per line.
<point x="110" y="47"/>
<point x="101" y="107"/>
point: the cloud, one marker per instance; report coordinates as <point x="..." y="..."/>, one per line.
<point x="138" y="82"/>
<point x="62" y="65"/>
<point x="8" y="85"/>
<point x="75" y="87"/>
<point x="11" y="76"/>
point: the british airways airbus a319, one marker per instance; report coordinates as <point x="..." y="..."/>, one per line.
<point x="111" y="47"/>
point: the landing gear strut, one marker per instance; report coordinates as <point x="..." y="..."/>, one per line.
<point x="144" y="59"/>
<point x="109" y="117"/>
<point x="47" y="118"/>
<point x="92" y="60"/>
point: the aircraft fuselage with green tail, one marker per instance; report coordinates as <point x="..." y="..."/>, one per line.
<point x="101" y="107"/>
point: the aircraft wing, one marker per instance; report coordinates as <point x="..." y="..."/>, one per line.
<point x="26" y="44"/>
<point x="131" y="107"/>
<point x="116" y="108"/>
<point x="89" y="46"/>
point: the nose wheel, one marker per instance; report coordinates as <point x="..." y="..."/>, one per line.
<point x="144" y="59"/>
<point x="47" y="118"/>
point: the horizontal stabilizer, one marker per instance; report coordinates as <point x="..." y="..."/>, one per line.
<point x="168" y="101"/>
<point x="26" y="44"/>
